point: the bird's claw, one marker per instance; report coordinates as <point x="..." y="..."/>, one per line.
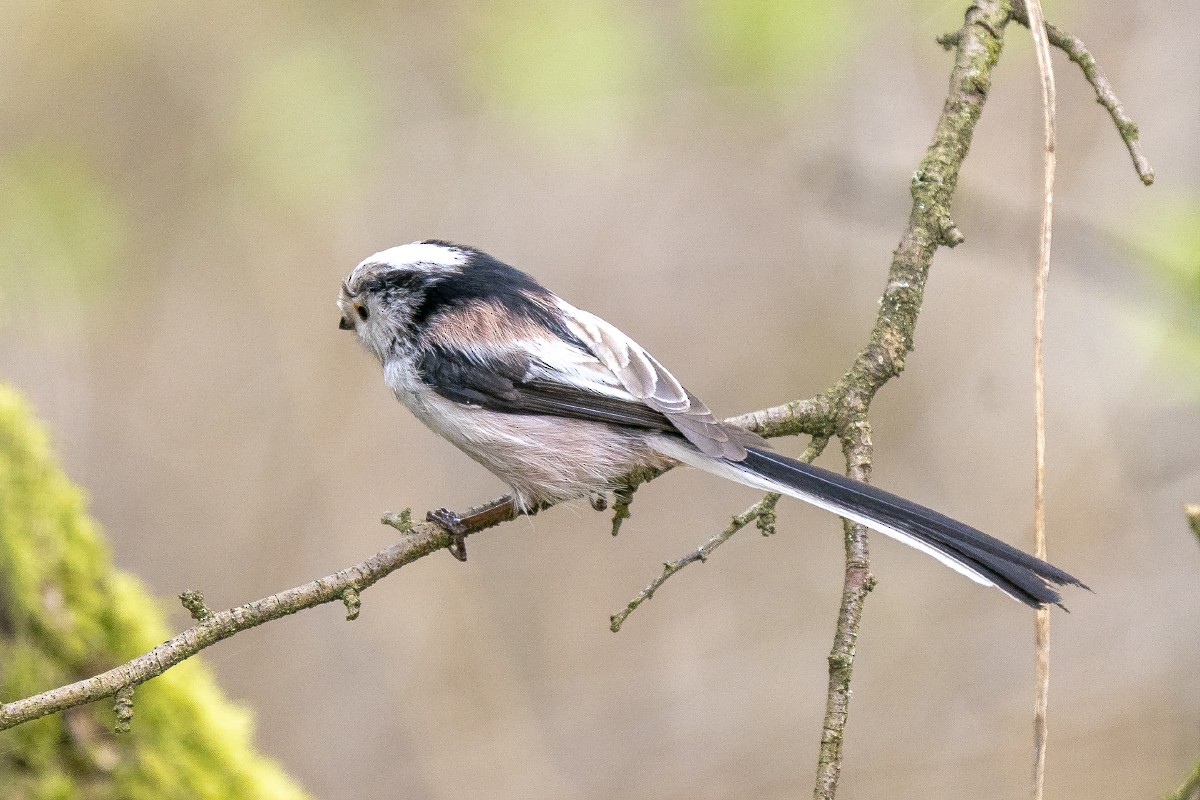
<point x="454" y="525"/>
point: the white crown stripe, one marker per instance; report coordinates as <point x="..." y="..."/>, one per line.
<point x="414" y="253"/>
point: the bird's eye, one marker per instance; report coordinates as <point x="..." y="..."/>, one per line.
<point x="363" y="312"/>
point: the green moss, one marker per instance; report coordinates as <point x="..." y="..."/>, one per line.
<point x="65" y="614"/>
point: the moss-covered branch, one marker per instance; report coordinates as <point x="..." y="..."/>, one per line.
<point x="65" y="612"/>
<point x="1190" y="788"/>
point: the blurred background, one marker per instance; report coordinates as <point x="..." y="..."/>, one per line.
<point x="183" y="186"/>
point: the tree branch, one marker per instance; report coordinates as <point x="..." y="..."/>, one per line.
<point x="977" y="47"/>
<point x="421" y="540"/>
<point x="1105" y="96"/>
<point x="345" y="586"/>
<point x="761" y="513"/>
<point x="841" y="411"/>
<point x="763" y="509"/>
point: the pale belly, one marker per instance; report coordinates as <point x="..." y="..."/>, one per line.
<point x="543" y="459"/>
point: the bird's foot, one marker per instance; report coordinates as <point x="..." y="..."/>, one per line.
<point x="456" y="526"/>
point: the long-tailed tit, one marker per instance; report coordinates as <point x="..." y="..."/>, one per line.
<point x="557" y="403"/>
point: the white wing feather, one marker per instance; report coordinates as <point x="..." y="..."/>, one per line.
<point x="648" y="381"/>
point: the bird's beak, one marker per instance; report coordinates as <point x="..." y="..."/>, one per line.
<point x="345" y="324"/>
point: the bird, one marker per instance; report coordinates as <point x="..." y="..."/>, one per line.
<point x="558" y="403"/>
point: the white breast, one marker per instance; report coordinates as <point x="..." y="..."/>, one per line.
<point x="542" y="458"/>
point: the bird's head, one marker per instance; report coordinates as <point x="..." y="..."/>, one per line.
<point x="386" y="296"/>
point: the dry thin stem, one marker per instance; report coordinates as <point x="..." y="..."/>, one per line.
<point x="1105" y="96"/>
<point x="1041" y="630"/>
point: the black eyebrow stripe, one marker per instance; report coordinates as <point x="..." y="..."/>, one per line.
<point x="395" y="280"/>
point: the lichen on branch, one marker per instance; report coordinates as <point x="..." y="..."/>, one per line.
<point x="65" y="612"/>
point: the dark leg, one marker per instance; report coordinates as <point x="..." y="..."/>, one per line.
<point x="459" y="526"/>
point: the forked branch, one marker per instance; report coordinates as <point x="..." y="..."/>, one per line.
<point x="841" y="411"/>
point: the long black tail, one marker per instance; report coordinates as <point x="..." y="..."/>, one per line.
<point x="959" y="546"/>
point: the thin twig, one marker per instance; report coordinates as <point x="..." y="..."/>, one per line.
<point x="1041" y="625"/>
<point x="1105" y="96"/>
<point x="423" y="539"/>
<point x="814" y="449"/>
<point x="761" y="513"/>
<point x="765" y="506"/>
